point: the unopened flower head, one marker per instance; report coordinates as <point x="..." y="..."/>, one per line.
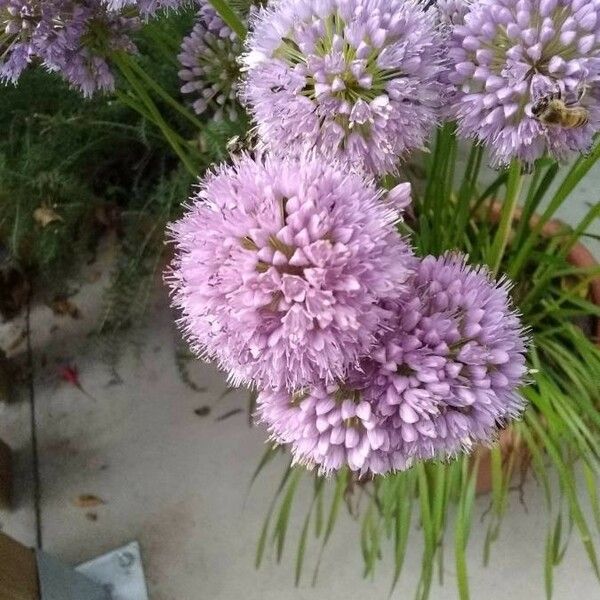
<point x="354" y="79"/>
<point x="510" y="58"/>
<point x="210" y="70"/>
<point x="280" y="266"/>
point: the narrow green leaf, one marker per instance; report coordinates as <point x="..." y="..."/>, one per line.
<point x="267" y="457"/>
<point x="548" y="566"/>
<point x="568" y="483"/>
<point x="283" y="518"/>
<point x="403" y="519"/>
<point x="262" y="540"/>
<point x="338" y="495"/>
<point x="230" y="17"/>
<point x="304" y="533"/>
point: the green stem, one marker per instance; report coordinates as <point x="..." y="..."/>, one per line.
<point x="151" y="111"/>
<point x="230" y="17"/>
<point x="513" y="191"/>
<point x="465" y="194"/>
<point x="164" y="95"/>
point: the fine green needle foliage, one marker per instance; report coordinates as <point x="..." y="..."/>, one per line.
<point x="67" y="169"/>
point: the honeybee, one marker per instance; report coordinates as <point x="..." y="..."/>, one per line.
<point x="242" y="143"/>
<point x="553" y="110"/>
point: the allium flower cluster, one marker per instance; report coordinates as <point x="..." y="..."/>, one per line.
<point x="72" y="38"/>
<point x="507" y="55"/>
<point x="442" y="377"/>
<point x="357" y="80"/>
<point x="280" y="268"/>
<point x="209" y="60"/>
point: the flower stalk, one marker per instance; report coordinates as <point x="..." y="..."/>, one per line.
<point x="514" y="186"/>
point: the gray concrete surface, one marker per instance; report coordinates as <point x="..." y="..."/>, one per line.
<point x="177" y="482"/>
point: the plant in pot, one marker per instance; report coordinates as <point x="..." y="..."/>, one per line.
<point x="295" y="273"/>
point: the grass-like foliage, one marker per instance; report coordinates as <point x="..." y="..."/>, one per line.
<point x="560" y="429"/>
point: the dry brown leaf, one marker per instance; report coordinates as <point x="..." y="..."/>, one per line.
<point x="88" y="501"/>
<point x="64" y="307"/>
<point x="44" y="215"/>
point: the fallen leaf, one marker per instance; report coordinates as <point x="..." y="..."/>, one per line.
<point x="19" y="339"/>
<point x="44" y="215"/>
<point x="88" y="501"/>
<point x="203" y="411"/>
<point x="69" y="374"/>
<point x="64" y="307"/>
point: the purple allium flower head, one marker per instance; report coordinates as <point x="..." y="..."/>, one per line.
<point x="332" y="426"/>
<point x="26" y="30"/>
<point x="446" y="373"/>
<point x="209" y="57"/>
<point x="90" y="36"/>
<point x="354" y="79"/>
<point x="509" y="54"/>
<point x="68" y="37"/>
<point x="280" y="265"/>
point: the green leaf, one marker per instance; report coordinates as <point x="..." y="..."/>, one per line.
<point x="230" y="17"/>
<point x="404" y="491"/>
<point x="573" y="178"/>
<point x="338" y="495"/>
<point x="304" y="533"/>
<point x="463" y="525"/>
<point x="568" y="485"/>
<point x="262" y="540"/>
<point x="282" y="521"/>
<point x="267" y="457"/>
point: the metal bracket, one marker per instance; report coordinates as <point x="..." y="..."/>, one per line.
<point x="120" y="573"/>
<point x="61" y="582"/>
<point x="117" y="575"/>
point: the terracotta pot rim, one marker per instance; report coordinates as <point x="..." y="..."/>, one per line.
<point x="579" y="255"/>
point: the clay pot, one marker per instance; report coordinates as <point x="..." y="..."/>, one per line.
<point x="579" y="256"/>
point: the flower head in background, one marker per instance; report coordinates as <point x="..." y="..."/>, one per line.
<point x="68" y="37"/>
<point x="26" y="29"/>
<point x="209" y="60"/>
<point x="280" y="266"/>
<point x="509" y="58"/>
<point x="446" y="375"/>
<point x="92" y="35"/>
<point x="357" y="80"/>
